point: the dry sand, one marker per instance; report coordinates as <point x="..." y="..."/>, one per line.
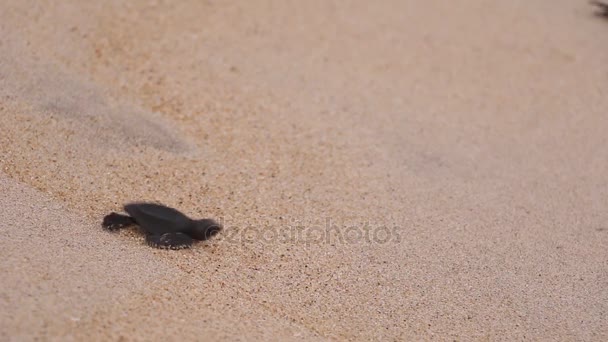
<point x="384" y="170"/>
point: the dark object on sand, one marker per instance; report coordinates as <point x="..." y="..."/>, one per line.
<point x="164" y="227"/>
<point x="602" y="8"/>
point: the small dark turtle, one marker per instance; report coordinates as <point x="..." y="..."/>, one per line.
<point x="164" y="227"/>
<point x="602" y="8"/>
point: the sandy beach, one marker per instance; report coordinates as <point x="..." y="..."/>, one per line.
<point x="389" y="170"/>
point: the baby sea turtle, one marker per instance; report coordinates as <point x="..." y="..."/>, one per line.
<point x="602" y="8"/>
<point x="164" y="227"/>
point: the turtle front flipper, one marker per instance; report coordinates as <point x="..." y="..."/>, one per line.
<point x="116" y="221"/>
<point x="169" y="240"/>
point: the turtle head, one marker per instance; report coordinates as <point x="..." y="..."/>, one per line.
<point x="205" y="229"/>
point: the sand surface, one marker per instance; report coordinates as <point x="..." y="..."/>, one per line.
<point x="384" y="170"/>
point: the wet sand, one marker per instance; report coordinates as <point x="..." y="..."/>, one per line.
<point x="391" y="170"/>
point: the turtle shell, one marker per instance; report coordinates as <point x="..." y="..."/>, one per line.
<point x="157" y="219"/>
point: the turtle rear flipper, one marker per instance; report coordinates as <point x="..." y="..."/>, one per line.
<point x="169" y="240"/>
<point x="114" y="221"/>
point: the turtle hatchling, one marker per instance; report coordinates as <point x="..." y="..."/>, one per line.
<point x="164" y="227"/>
<point x="602" y="8"/>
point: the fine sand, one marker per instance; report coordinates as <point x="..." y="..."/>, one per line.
<point x="384" y="170"/>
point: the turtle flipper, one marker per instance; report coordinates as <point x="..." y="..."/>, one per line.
<point x="116" y="221"/>
<point x="169" y="240"/>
